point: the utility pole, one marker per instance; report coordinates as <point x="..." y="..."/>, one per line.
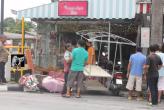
<point x="157" y="22"/>
<point x="2" y="16"/>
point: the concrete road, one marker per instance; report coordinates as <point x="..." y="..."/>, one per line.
<point x="89" y="101"/>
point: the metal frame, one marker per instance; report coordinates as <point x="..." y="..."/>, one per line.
<point x="111" y="39"/>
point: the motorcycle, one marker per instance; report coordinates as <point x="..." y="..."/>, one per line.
<point x="116" y="83"/>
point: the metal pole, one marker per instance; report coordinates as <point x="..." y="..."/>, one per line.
<point x="59" y="45"/>
<point x="121" y="55"/>
<point x="35" y="47"/>
<point x="115" y="55"/>
<point x="109" y="42"/>
<point x="22" y="35"/>
<point x="138" y="42"/>
<point x="2" y="16"/>
<point x="99" y="51"/>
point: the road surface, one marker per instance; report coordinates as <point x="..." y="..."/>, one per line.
<point x="52" y="101"/>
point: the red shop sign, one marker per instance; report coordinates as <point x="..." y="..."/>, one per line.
<point x="73" y="8"/>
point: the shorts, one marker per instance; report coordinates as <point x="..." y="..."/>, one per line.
<point x="132" y="80"/>
<point x="75" y="76"/>
<point x="161" y="83"/>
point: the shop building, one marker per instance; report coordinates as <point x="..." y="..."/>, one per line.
<point x="58" y="21"/>
<point x="152" y="14"/>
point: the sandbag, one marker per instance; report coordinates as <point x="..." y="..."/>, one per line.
<point x="52" y="84"/>
<point x="57" y="75"/>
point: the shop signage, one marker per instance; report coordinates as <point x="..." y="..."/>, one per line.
<point x="73" y="8"/>
<point x="145" y="37"/>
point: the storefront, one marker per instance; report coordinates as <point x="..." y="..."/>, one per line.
<point x="59" y="20"/>
<point x="152" y="13"/>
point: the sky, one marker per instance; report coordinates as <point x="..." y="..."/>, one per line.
<point x="21" y="4"/>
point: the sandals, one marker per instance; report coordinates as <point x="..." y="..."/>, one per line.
<point x="159" y="101"/>
<point x="78" y="96"/>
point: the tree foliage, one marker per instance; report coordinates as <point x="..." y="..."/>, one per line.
<point x="15" y="26"/>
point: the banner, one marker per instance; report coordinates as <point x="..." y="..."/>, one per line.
<point x="145" y="37"/>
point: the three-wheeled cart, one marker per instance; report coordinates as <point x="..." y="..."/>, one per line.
<point x="97" y="75"/>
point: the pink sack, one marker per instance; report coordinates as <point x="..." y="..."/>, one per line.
<point x="55" y="75"/>
<point x="52" y="84"/>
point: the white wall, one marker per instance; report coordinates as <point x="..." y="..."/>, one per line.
<point x="8" y="69"/>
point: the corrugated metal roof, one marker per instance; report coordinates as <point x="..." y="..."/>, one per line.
<point x="97" y="9"/>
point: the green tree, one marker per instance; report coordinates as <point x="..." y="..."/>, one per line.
<point x="15" y="26"/>
<point x="9" y="24"/>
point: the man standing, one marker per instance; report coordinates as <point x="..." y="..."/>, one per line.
<point x="153" y="64"/>
<point x="67" y="65"/>
<point x="135" y="71"/>
<point x="91" y="53"/>
<point x="79" y="60"/>
<point x="3" y="59"/>
<point x="160" y="53"/>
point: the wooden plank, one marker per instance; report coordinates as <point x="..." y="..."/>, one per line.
<point x="95" y="71"/>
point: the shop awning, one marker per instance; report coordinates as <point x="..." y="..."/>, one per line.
<point x="97" y="9"/>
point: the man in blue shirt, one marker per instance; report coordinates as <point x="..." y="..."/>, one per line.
<point x="79" y="60"/>
<point x="135" y="71"/>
